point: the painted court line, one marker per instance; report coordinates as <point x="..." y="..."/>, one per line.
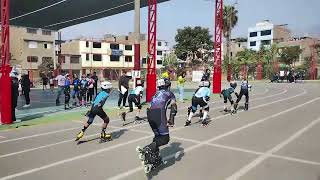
<point x="137" y="169"/>
<point x="84" y="155"/>
<point x="70" y="140"/>
<point x="268" y="154"/>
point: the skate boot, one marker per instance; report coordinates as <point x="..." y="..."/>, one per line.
<point x="246" y="106"/>
<point x="65" y="107"/>
<point x="204" y="122"/>
<point x="80" y="135"/>
<point x="138" y="120"/>
<point x="105" y="137"/>
<point x="188" y="123"/>
<point x="235" y="106"/>
<point x="225" y="109"/>
<point x="232" y="111"/>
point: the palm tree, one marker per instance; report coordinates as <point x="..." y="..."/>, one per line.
<point x="230" y="20"/>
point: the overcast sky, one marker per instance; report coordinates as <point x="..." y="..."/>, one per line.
<point x="302" y="17"/>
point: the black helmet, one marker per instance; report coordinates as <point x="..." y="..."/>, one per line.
<point x="233" y="84"/>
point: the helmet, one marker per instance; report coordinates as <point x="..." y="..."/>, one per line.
<point x="163" y="83"/>
<point x="13" y="73"/>
<point x="105" y="85"/>
<point x="205" y="84"/>
<point x="139" y="83"/>
<point x="233" y="84"/>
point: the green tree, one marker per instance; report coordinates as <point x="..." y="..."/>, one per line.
<point x="230" y="20"/>
<point x="170" y="61"/>
<point x="193" y="44"/>
<point x="248" y="58"/>
<point x="290" y="54"/>
<point x="46" y="66"/>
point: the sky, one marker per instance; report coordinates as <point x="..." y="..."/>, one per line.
<point x="302" y="17"/>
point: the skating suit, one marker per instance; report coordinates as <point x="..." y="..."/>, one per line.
<point x="200" y="98"/>
<point x="157" y="114"/>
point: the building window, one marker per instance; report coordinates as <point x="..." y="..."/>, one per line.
<point x="46" y="32"/>
<point x="96" y="45"/>
<point x="114" y="46"/>
<point x="128" y="58"/>
<point x="47" y="46"/>
<point x="87" y="57"/>
<point x="47" y="59"/>
<point x="166" y="43"/>
<point x="253" y="34"/>
<point x="114" y="58"/>
<point x="239" y="45"/>
<point x="128" y="47"/>
<point x="230" y="54"/>
<point x="159" y="62"/>
<point x="127" y="38"/>
<point x="253" y="43"/>
<point x="266" y="42"/>
<point x="159" y="53"/>
<point x="32" y="59"/>
<point x="32" y="44"/>
<point x="32" y="30"/>
<point x="87" y="44"/>
<point x="74" y="59"/>
<point x="159" y="43"/>
<point x="97" y="57"/>
<point x="266" y="33"/>
<point x="144" y="60"/>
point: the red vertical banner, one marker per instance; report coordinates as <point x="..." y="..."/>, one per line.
<point x="217" y="47"/>
<point x="6" y="116"/>
<point x="244" y="71"/>
<point x="259" y="71"/>
<point x="151" y="57"/>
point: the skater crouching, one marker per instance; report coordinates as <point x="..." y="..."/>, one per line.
<point x="97" y="110"/>
<point x="159" y="124"/>
<point x="200" y="98"/>
<point x="245" y="87"/>
<point x="226" y="93"/>
<point x="134" y="98"/>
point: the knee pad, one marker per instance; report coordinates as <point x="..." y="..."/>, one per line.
<point x="106" y="120"/>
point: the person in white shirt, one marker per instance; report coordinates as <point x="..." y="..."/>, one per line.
<point x="61" y="82"/>
<point x="134" y="97"/>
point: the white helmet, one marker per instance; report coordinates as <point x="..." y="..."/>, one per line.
<point x="106" y="85"/>
<point x="204" y="84"/>
<point x="13" y="73"/>
<point x="161" y="83"/>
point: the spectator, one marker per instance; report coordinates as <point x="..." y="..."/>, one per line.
<point x="90" y="88"/>
<point x="14" y="93"/>
<point x="44" y="82"/>
<point x="25" y="84"/>
<point x="61" y="82"/>
<point x="123" y="89"/>
<point x="206" y="75"/>
<point x="51" y="82"/>
<point x="180" y="83"/>
<point x="95" y="84"/>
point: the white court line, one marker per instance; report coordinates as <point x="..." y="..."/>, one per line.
<point x="53" y="132"/>
<point x="37" y="135"/>
<point x="268" y="154"/>
<point x="2" y="137"/>
<point x="70" y="140"/>
<point x="137" y="169"/>
<point x="88" y="154"/>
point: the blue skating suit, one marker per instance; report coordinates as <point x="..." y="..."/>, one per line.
<point x="157" y="114"/>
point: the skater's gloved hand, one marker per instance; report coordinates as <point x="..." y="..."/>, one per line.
<point x="220" y="95"/>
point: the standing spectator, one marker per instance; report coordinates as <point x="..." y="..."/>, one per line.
<point x="123" y="89"/>
<point x="95" y="84"/>
<point x="180" y="83"/>
<point x="44" y="82"/>
<point x="90" y="89"/>
<point x="14" y="93"/>
<point x="61" y="82"/>
<point x="206" y="75"/>
<point x="67" y="92"/>
<point x="76" y="90"/>
<point x="25" y="83"/>
<point x="51" y="82"/>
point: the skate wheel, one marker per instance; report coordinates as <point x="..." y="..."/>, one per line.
<point x="141" y="156"/>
